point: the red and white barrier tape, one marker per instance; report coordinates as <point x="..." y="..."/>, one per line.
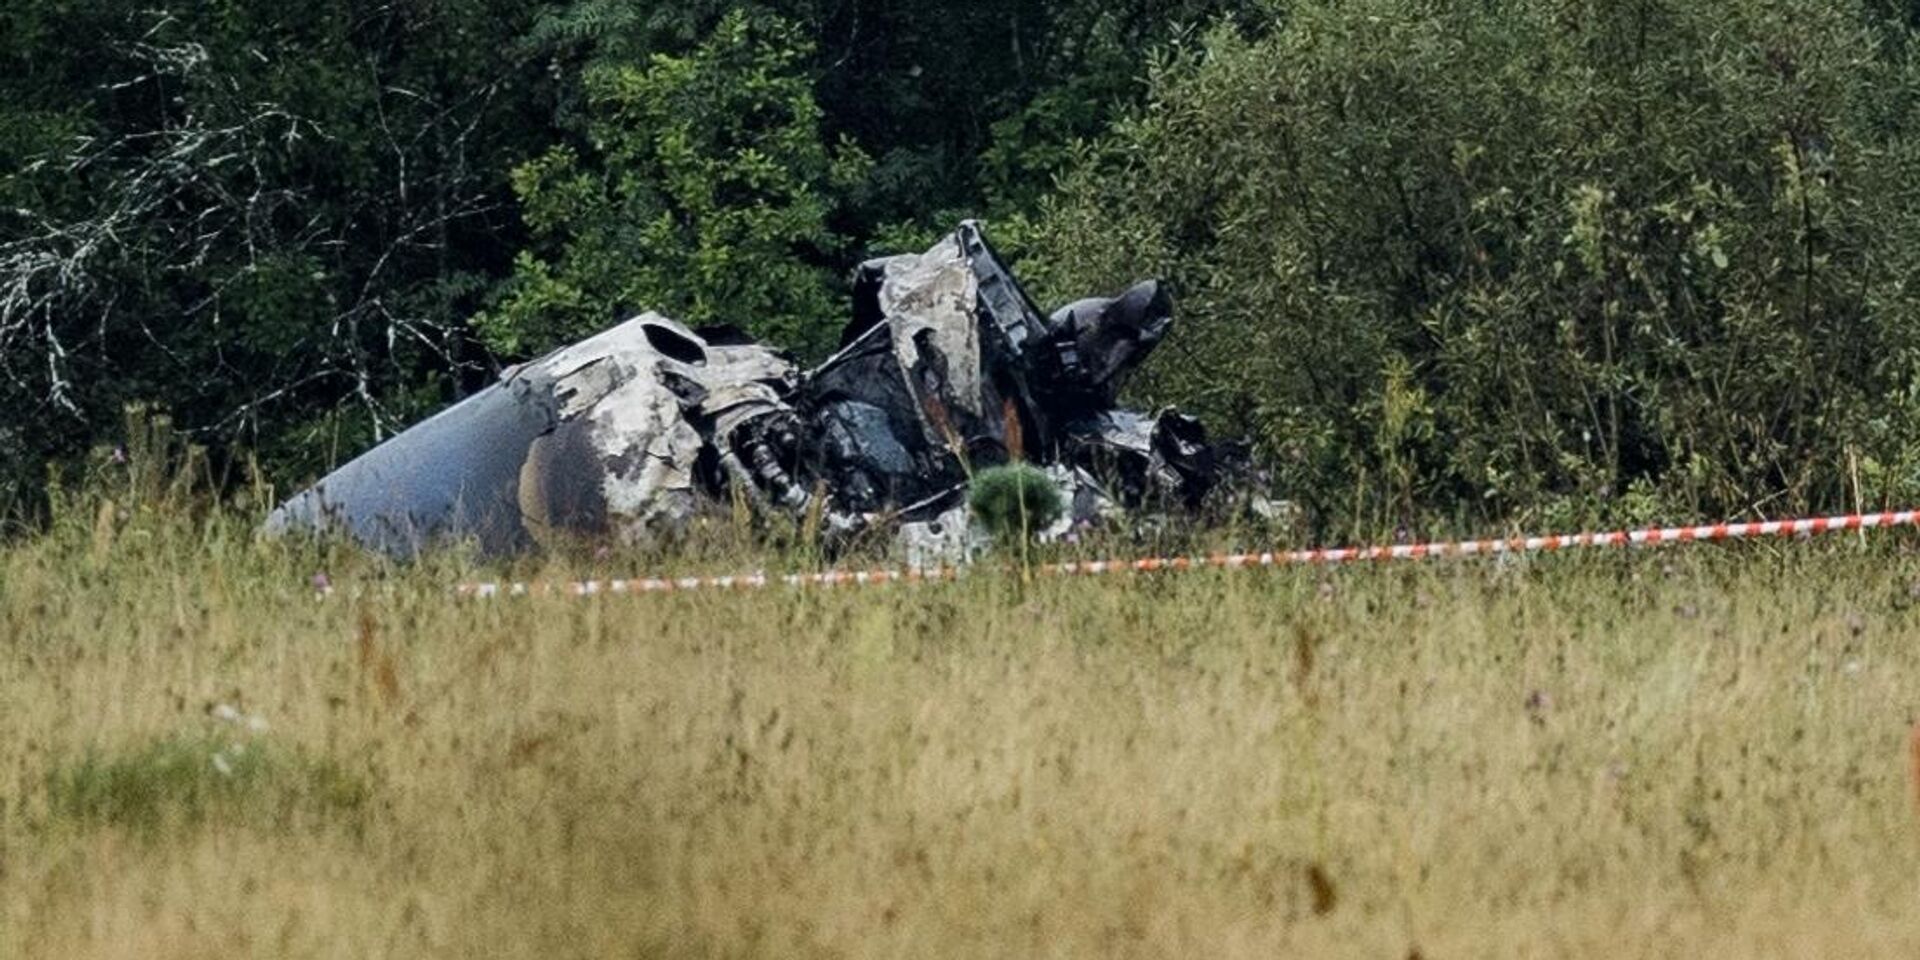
<point x="1422" y="551"/>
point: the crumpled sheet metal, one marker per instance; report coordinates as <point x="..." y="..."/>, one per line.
<point x="927" y="301"/>
<point x="594" y="439"/>
<point x="947" y="367"/>
<point x="1109" y="336"/>
<point x="926" y="392"/>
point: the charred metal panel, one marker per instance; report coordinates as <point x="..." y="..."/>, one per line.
<point x="947" y="366"/>
<point x="456" y="475"/>
<point x="1110" y="337"/>
<point x="593" y="440"/>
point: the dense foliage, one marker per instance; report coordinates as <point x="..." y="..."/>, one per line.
<point x="279" y="220"/>
<point x="1580" y="261"/>
<point x="1594" y="260"/>
<point x="272" y="218"/>
<point x="707" y="199"/>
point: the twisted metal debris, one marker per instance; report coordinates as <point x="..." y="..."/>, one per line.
<point x="947" y="367"/>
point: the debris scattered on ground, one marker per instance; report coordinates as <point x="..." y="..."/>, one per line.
<point x="947" y="368"/>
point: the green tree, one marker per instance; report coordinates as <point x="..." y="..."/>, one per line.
<point x="1585" y="261"/>
<point x="248" y="212"/>
<point x="703" y="189"/>
<point x="968" y="108"/>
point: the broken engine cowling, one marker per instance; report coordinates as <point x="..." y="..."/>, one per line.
<point x="597" y="439"/>
<point x="948" y="367"/>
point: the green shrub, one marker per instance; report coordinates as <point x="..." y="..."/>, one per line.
<point x="703" y="190"/>
<point x="1015" y="501"/>
<point x="193" y="779"/>
<point x="1532" y="260"/>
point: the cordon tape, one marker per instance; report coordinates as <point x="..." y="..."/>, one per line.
<point x="1238" y="561"/>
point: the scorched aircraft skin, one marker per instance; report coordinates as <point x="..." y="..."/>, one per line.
<point x="946" y="368"/>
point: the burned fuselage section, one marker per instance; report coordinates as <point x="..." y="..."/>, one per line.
<point x="603" y="438"/>
<point x="947" y="368"/>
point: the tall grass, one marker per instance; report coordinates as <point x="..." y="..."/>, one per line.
<point x="1657" y="754"/>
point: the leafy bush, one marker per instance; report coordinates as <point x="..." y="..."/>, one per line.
<point x="703" y="191"/>
<point x="1577" y="261"/>
<point x="191" y="779"/>
<point x="1015" y="501"/>
<point x="272" y="219"/>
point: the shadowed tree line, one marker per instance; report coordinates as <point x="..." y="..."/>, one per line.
<point x="1553" y="261"/>
<point x="280" y="220"/>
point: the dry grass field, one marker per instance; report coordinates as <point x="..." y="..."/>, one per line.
<point x="1684" y="753"/>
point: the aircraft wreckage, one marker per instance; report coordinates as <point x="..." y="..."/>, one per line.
<point x="947" y="367"/>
